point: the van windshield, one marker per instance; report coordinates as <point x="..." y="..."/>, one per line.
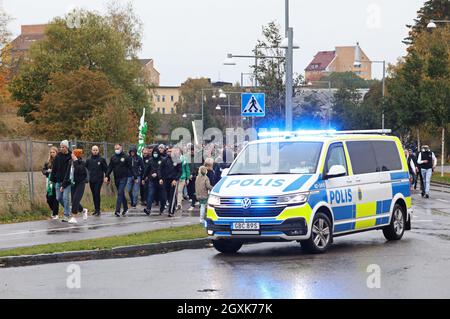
<point x="278" y="158"/>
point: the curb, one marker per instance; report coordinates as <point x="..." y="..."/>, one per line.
<point x="114" y="253"/>
<point x="440" y="184"/>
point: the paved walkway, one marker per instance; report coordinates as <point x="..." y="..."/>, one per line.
<point x="54" y="231"/>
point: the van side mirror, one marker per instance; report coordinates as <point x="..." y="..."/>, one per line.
<point x="225" y="172"/>
<point x="336" y="171"/>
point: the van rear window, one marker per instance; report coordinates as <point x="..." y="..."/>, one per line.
<point x="374" y="156"/>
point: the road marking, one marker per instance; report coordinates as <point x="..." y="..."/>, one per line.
<point x="443" y="200"/>
<point x="82" y="227"/>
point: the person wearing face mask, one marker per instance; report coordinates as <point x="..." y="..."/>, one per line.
<point x="97" y="168"/>
<point x="428" y="163"/>
<point x="76" y="178"/>
<point x="120" y="166"/>
<point x="170" y="175"/>
<point x="135" y="175"/>
<point x="57" y="177"/>
<point x="152" y="178"/>
<point x="146" y="158"/>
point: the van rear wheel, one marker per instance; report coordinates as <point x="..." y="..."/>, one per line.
<point x="396" y="228"/>
<point x="227" y="246"/>
<point x="321" y="235"/>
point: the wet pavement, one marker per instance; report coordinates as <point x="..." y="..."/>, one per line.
<point x="418" y="266"/>
<point x="54" y="231"/>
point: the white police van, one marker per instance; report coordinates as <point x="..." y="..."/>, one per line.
<point x="310" y="187"/>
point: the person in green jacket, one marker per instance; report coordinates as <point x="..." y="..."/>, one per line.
<point x="184" y="179"/>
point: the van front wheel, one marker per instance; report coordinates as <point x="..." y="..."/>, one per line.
<point x="396" y="228"/>
<point x="227" y="246"/>
<point x="321" y="235"/>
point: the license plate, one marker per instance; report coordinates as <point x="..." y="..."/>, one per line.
<point x="246" y="226"/>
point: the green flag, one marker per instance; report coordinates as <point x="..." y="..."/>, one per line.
<point x="142" y="134"/>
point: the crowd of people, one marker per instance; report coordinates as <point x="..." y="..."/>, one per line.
<point x="421" y="167"/>
<point x="164" y="176"/>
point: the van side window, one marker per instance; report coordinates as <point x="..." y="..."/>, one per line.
<point x="335" y="156"/>
<point x="362" y="157"/>
<point x="388" y="158"/>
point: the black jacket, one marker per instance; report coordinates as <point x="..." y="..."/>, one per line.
<point x="169" y="170"/>
<point x="97" y="168"/>
<point x="79" y="173"/>
<point x="120" y="165"/>
<point x="45" y="169"/>
<point x="60" y="167"/>
<point x="137" y="166"/>
<point x="154" y="167"/>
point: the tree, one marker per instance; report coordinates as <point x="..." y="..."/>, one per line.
<point x="71" y="100"/>
<point x="270" y="75"/>
<point x="345" y="106"/>
<point x="347" y="80"/>
<point x="95" y="44"/>
<point x="431" y="10"/>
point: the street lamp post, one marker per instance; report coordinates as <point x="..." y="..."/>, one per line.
<point x="383" y="89"/>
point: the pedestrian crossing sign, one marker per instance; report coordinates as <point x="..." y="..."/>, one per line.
<point x="253" y="104"/>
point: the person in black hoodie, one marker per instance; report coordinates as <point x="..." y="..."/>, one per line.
<point x="59" y="171"/>
<point x="155" y="186"/>
<point x="134" y="178"/>
<point x="97" y="168"/>
<point x="170" y="175"/>
<point x="120" y="165"/>
<point x="146" y="158"/>
<point x="76" y="178"/>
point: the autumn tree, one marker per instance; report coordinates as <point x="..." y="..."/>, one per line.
<point x="106" y="44"/>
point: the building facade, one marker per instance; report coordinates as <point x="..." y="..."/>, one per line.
<point x="165" y="99"/>
<point x="342" y="59"/>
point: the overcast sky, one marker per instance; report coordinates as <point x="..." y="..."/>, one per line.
<point x="190" y="38"/>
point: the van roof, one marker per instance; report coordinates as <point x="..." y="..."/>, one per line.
<point x="327" y="138"/>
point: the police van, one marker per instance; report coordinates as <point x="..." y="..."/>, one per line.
<point x="311" y="187"/>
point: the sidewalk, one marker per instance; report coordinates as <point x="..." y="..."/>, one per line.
<point x="54" y="231"/>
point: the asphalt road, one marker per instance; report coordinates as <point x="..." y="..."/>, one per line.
<point x="416" y="267"/>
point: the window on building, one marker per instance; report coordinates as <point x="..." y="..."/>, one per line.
<point x="158" y="98"/>
<point x="159" y="110"/>
<point x="172" y="98"/>
<point x="163" y="111"/>
<point x="164" y="98"/>
<point x="172" y="110"/>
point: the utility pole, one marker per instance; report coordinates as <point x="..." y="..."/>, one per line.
<point x="289" y="80"/>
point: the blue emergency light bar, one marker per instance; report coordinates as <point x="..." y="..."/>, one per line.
<point x="286" y="134"/>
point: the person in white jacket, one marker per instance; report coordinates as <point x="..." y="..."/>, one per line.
<point x="428" y="162"/>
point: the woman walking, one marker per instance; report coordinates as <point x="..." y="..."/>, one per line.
<point x="76" y="177"/>
<point x="50" y="186"/>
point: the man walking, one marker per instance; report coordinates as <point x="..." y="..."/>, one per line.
<point x="120" y="165"/>
<point x="155" y="186"/>
<point x="146" y="158"/>
<point x="97" y="169"/>
<point x="184" y="179"/>
<point x="428" y="162"/>
<point x="134" y="178"/>
<point x="60" y="167"/>
<point x="170" y="175"/>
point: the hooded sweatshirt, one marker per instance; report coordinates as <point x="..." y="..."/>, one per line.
<point x="154" y="166"/>
<point x="137" y="164"/>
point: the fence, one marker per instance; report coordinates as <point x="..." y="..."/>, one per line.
<point x="21" y="162"/>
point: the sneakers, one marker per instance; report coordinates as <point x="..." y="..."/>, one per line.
<point x="55" y="217"/>
<point x="124" y="213"/>
<point x="85" y="214"/>
<point x="147" y="212"/>
<point x="178" y="207"/>
<point x="65" y="219"/>
<point x="191" y="209"/>
<point x="96" y="214"/>
<point x="427" y="196"/>
<point x="73" y="220"/>
<point x="117" y="214"/>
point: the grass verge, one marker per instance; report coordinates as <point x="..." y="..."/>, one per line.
<point x="151" y="237"/>
<point x="437" y="178"/>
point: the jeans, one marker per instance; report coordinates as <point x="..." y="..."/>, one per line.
<point x="180" y="195"/>
<point x="121" y="184"/>
<point x="64" y="198"/>
<point x="153" y="190"/>
<point x="133" y="190"/>
<point x="426" y="175"/>
<point x="96" y="189"/>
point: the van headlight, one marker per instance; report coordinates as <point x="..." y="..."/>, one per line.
<point x="213" y="200"/>
<point x="299" y="198"/>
